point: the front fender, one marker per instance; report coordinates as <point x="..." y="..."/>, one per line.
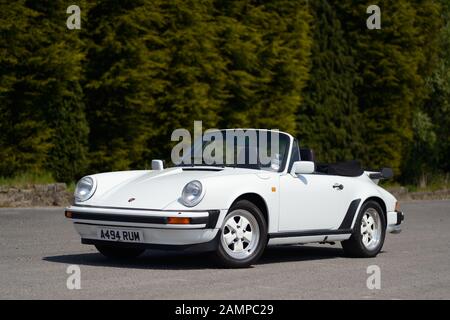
<point x="221" y="192"/>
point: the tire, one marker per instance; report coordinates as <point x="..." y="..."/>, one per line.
<point x="243" y="236"/>
<point x="368" y="235"/>
<point x="119" y="253"/>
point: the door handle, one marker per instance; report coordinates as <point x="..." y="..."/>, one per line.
<point x="338" y="186"/>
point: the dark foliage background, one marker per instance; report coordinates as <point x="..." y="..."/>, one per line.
<point x="108" y="96"/>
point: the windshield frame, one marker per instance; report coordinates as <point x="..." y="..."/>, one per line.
<point x="283" y="165"/>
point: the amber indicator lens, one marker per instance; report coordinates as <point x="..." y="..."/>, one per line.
<point x="176" y="220"/>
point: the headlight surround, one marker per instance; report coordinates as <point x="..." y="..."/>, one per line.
<point x="85" y="189"/>
<point x="192" y="194"/>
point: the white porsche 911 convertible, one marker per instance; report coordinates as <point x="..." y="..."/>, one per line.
<point x="236" y="209"/>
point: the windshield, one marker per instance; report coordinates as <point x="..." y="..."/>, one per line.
<point x="254" y="149"/>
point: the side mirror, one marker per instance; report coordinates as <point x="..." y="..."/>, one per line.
<point x="157" y="165"/>
<point x="302" y="167"/>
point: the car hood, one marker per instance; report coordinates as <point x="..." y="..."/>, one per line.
<point x="152" y="189"/>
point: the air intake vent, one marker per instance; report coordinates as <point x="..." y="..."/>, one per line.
<point x="201" y="169"/>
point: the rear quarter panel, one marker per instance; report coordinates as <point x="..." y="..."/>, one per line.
<point x="366" y="188"/>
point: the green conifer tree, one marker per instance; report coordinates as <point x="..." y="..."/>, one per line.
<point x="195" y="73"/>
<point x="431" y="149"/>
<point x="41" y="111"/>
<point x="391" y="64"/>
<point x="329" y="119"/>
<point x="122" y="80"/>
<point x="267" y="47"/>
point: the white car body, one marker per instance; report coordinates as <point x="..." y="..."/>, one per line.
<point x="298" y="208"/>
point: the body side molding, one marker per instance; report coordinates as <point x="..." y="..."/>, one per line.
<point x="308" y="233"/>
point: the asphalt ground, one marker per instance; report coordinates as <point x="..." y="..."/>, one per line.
<point x="38" y="245"/>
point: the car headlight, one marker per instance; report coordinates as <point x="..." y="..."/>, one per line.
<point x="192" y="194"/>
<point x="85" y="189"/>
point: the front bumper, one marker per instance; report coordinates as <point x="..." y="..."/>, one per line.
<point x="394" y="221"/>
<point x="200" y="234"/>
<point x="210" y="245"/>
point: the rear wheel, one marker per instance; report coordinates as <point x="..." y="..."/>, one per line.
<point x="114" y="252"/>
<point x="369" y="232"/>
<point x="243" y="236"/>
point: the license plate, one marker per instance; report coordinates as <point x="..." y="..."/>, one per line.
<point x="112" y="234"/>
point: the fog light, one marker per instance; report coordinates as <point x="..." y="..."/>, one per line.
<point x="176" y="220"/>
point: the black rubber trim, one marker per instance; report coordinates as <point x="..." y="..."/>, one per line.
<point x="210" y="221"/>
<point x="118" y="217"/>
<point x="201" y="169"/>
<point x="197" y="247"/>
<point x="351" y="211"/>
<point x="400" y="217"/>
<point x="384" y="173"/>
<point x="319" y="232"/>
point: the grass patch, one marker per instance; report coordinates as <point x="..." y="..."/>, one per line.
<point x="27" y="179"/>
<point x="71" y="187"/>
<point x="432" y="183"/>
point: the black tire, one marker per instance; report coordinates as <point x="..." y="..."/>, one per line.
<point x="355" y="247"/>
<point x="223" y="258"/>
<point x="119" y="253"/>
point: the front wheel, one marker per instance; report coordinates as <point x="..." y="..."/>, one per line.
<point x="114" y="252"/>
<point x="243" y="236"/>
<point x="369" y="232"/>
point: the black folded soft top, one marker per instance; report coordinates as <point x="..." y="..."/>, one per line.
<point x="350" y="168"/>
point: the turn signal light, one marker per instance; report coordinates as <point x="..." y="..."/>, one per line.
<point x="68" y="214"/>
<point x="177" y="220"/>
<point x="397" y="206"/>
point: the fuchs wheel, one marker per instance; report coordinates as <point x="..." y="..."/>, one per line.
<point x="114" y="252"/>
<point x="243" y="236"/>
<point x="369" y="232"/>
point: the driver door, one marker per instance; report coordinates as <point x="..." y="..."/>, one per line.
<point x="310" y="202"/>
